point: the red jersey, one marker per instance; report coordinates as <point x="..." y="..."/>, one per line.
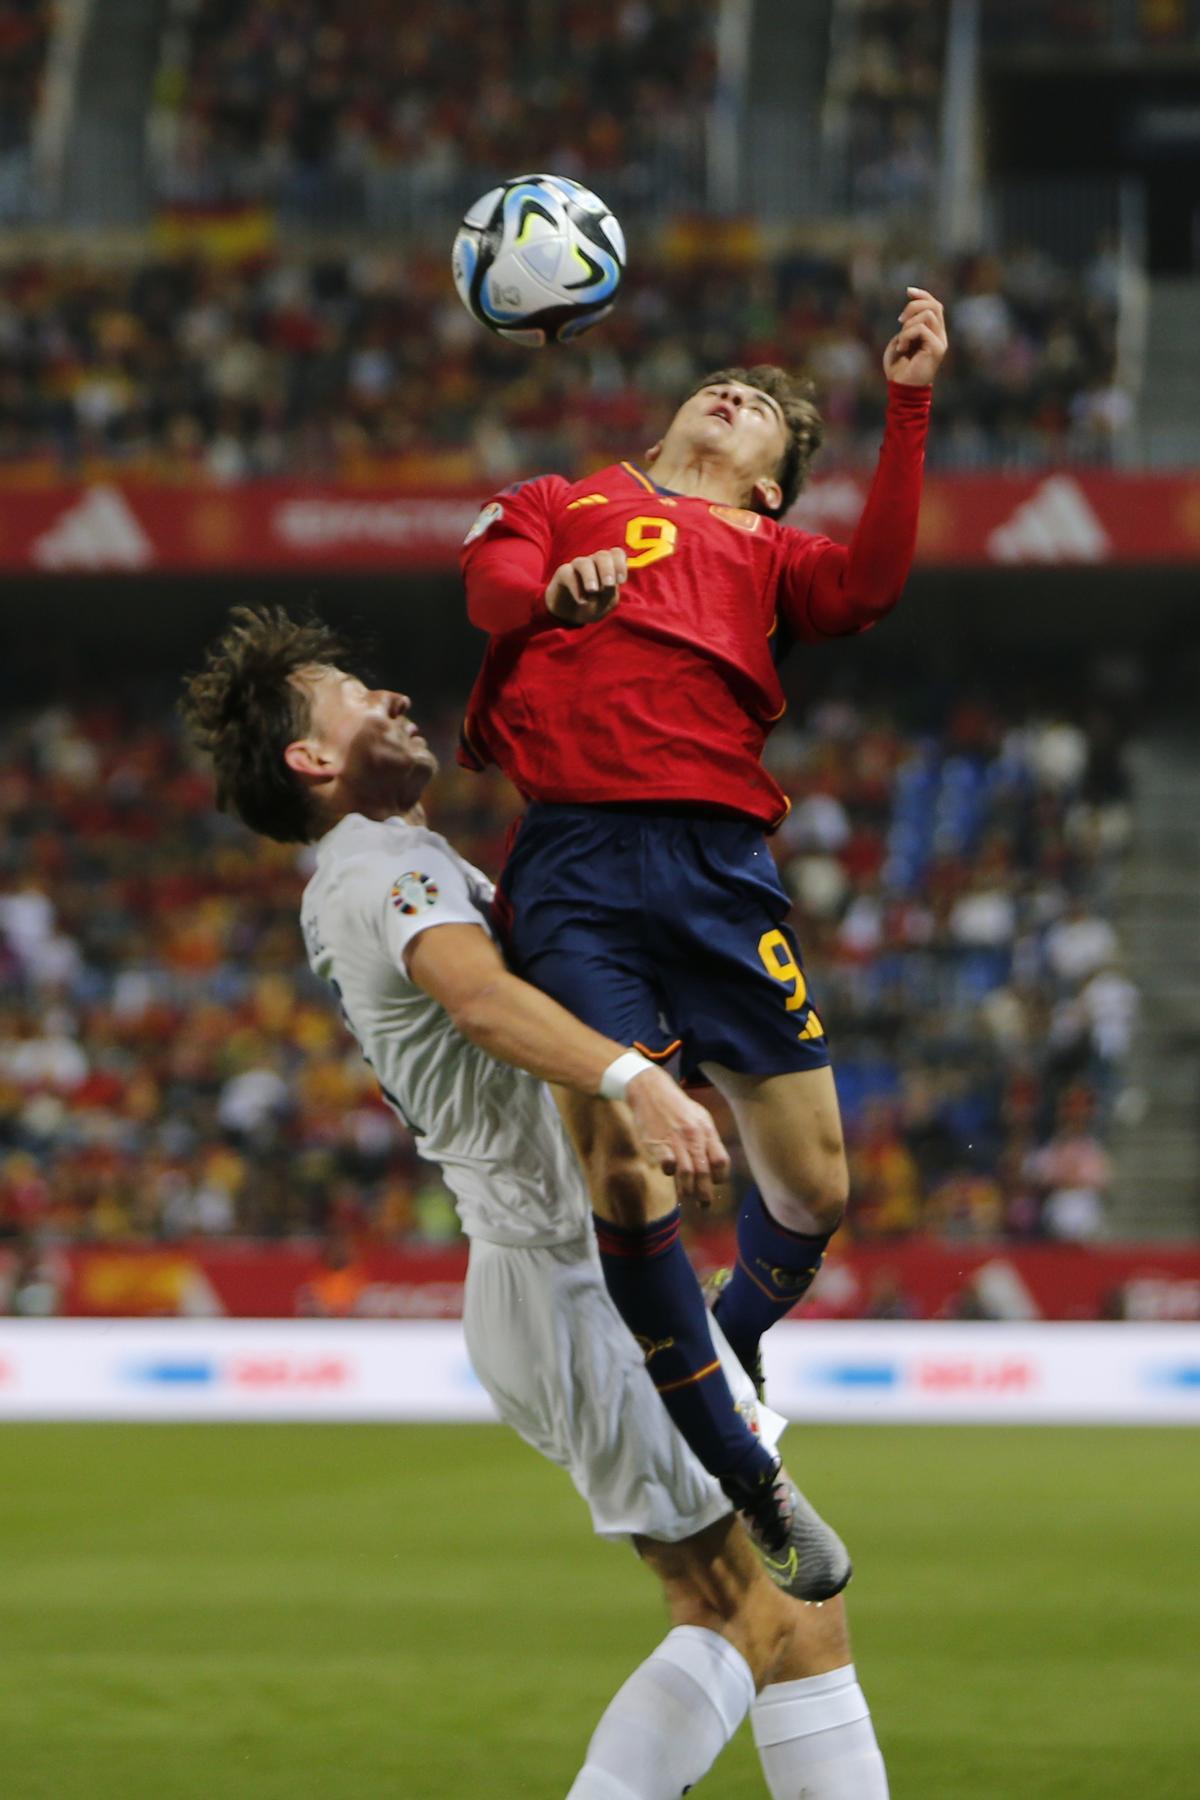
<point x="671" y="697"/>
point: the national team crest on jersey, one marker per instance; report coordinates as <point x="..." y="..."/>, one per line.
<point x="737" y="515"/>
<point x="412" y="892"/>
<point x="491" y="512"/>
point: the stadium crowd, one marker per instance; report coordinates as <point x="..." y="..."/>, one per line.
<point x="364" y="366"/>
<point x="308" y="104"/>
<point x="883" y="99"/>
<point x="168" y="1067"/>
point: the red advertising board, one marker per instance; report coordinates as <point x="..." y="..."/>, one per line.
<point x="916" y="1278"/>
<point x="1080" y="517"/>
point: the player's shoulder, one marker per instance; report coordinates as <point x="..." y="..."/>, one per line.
<point x="363" y="862"/>
<point x="556" y="492"/>
<point x="792" y="541"/>
<point x="358" y="850"/>
<point x="528" y="505"/>
<point x="614" y="482"/>
<point x="532" y="492"/>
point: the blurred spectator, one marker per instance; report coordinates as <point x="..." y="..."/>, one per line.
<point x="336" y="1291"/>
<point x="884" y="86"/>
<point x="884" y="1175"/>
<point x="887" y="1298"/>
<point x="1067" y="24"/>
<point x="1079" y="944"/>
<point x="29" y="1288"/>
<point x="25" y="27"/>
<point x="1072" y="1171"/>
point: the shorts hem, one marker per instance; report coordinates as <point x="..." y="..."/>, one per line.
<point x="673" y="1532"/>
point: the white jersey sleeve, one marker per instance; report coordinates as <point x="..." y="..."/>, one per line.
<point x="406" y="895"/>
<point x="493" y="1129"/>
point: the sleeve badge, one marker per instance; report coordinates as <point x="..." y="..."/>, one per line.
<point x="412" y="892"/>
<point x="491" y="512"/>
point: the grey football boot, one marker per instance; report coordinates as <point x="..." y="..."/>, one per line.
<point x="801" y="1553"/>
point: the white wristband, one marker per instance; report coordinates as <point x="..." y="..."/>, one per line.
<point x="618" y="1075"/>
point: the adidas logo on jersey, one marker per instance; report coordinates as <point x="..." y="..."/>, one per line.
<point x="1055" y="524"/>
<point x="99" y="531"/>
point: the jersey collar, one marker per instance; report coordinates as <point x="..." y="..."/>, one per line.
<point x="643" y="480"/>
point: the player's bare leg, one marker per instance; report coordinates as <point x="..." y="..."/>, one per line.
<point x="791" y="1130"/>
<point x="715" y="1582"/>
<point x="811" y="1723"/>
<point x="730" y="1629"/>
<point x="734" y="1636"/>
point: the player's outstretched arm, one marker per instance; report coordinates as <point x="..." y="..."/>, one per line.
<point x="914" y="356"/>
<point x="829" y="590"/>
<point x="461" y="968"/>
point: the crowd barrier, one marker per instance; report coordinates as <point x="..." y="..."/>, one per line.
<point x="408" y="1370"/>
<point x="967" y="521"/>
<point x="931" y="1278"/>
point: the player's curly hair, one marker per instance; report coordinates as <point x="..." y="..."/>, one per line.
<point x="243" y="709"/>
<point x="797" y="399"/>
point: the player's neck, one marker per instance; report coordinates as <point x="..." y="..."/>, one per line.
<point x="701" y="478"/>
<point x="380" y="807"/>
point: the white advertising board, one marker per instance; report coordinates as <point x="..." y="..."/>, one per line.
<point x="183" y="1369"/>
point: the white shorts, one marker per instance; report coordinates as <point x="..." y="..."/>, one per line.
<point x="565" y="1372"/>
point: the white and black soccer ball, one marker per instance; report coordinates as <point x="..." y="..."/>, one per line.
<point x="539" y="260"/>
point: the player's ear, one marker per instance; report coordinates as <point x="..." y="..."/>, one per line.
<point x="653" y="453"/>
<point x="303" y="757"/>
<point x="767" y="495"/>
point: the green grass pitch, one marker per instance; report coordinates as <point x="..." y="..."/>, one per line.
<point x="189" y="1613"/>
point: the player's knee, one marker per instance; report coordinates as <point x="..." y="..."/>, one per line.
<point x="812" y="1196"/>
<point x="716" y="1582"/>
<point x="623" y="1188"/>
<point x="756" y="1622"/>
<point x="619" y="1178"/>
<point x="830" y="1193"/>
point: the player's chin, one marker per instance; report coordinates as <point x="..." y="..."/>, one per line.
<point x="421" y="767"/>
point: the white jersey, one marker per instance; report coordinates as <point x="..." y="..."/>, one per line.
<point x="494" y="1130"/>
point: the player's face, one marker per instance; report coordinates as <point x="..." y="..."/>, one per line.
<point x="740" y="425"/>
<point x="371" y="745"/>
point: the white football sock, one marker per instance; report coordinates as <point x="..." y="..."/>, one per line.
<point x="669" y="1723"/>
<point x="815" y="1739"/>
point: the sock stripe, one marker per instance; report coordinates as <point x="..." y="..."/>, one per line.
<point x="670" y="1387"/>
<point x="648" y="1241"/>
<point x="785" y="1300"/>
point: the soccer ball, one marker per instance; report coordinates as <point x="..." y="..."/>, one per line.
<point x="538" y="260"/>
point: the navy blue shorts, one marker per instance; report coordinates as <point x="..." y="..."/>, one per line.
<point x="664" y="930"/>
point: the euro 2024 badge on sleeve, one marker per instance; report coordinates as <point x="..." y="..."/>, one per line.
<point x="412" y="892"/>
<point x="488" y="516"/>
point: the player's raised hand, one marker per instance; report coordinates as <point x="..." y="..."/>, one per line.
<point x="677" y="1135"/>
<point x="915" y="353"/>
<point x="587" y="589"/>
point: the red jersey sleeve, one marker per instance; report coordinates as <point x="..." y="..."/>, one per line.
<point x="505" y="559"/>
<point x="833" y="590"/>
